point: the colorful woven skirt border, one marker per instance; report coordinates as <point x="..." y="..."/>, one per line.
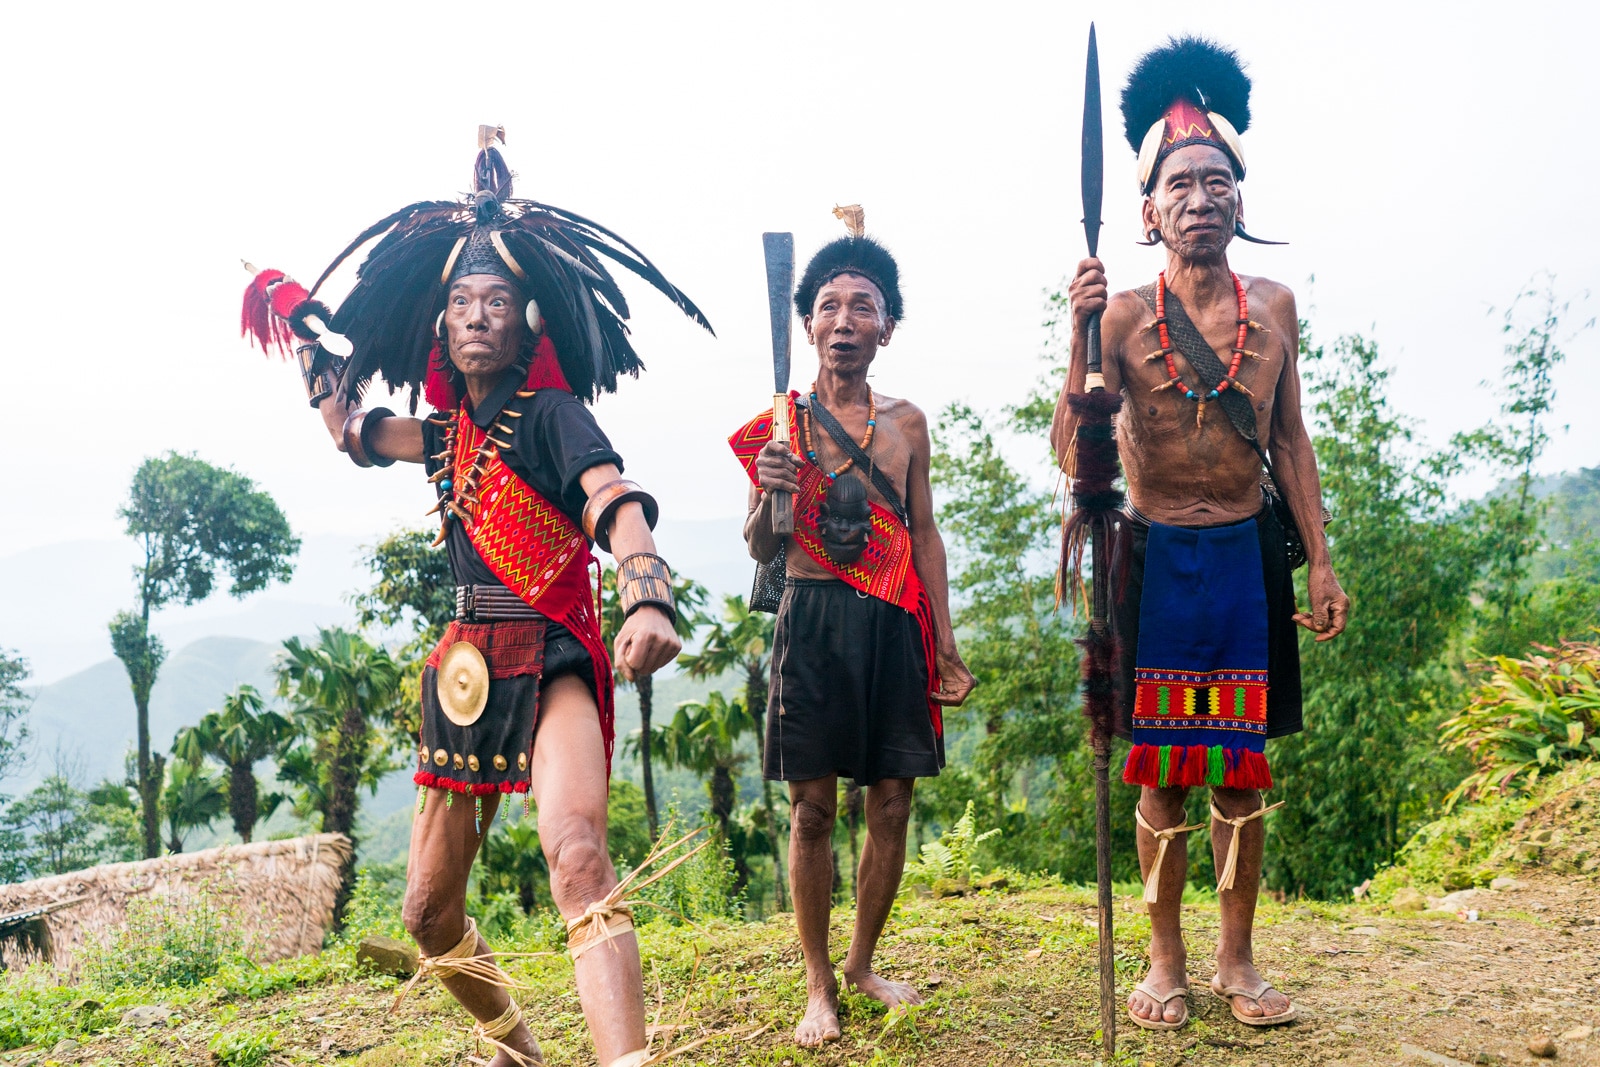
<point x="1200" y="714"/>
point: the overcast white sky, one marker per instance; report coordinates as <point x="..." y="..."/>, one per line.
<point x="1425" y="161"/>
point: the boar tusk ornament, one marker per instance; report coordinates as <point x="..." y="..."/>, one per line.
<point x="463" y="683"/>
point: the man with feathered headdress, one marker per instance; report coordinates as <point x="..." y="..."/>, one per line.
<point x="502" y="312"/>
<point x="1205" y="618"/>
<point x="863" y="655"/>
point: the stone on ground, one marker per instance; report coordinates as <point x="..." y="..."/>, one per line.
<point x="388" y="956"/>
<point x="1542" y="1046"/>
<point x="146" y="1015"/>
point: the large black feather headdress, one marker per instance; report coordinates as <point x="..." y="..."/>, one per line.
<point x="555" y="257"/>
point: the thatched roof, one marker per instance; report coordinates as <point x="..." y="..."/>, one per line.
<point x="281" y="892"/>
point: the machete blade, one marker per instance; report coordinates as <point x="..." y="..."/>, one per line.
<point x="1093" y="148"/>
<point x="779" y="249"/>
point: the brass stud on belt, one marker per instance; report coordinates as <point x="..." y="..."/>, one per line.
<point x="458" y="761"/>
<point x="499" y="762"/>
<point x="441" y="757"/>
<point x="522" y="761"/>
<point x="472" y="763"/>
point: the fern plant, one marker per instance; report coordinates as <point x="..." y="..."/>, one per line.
<point x="1530" y="718"/>
<point x="950" y="858"/>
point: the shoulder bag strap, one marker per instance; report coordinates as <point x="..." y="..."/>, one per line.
<point x="854" y="451"/>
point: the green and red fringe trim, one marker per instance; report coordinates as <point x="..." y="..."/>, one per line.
<point x="471" y="789"/>
<point x="1163" y="766"/>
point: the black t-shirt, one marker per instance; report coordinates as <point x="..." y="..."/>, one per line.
<point x="552" y="444"/>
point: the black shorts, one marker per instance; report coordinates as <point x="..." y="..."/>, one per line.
<point x="849" y="689"/>
<point x="1283" y="641"/>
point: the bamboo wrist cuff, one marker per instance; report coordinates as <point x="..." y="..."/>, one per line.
<point x="644" y="578"/>
<point x="602" y="506"/>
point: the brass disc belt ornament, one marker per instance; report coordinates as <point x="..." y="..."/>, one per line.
<point x="463" y="683"/>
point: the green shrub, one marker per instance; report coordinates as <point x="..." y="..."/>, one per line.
<point x="374" y="907"/>
<point x="236" y="1046"/>
<point x="1532" y="716"/>
<point x="949" y="859"/>
<point x="700" y="888"/>
<point x="166" y="943"/>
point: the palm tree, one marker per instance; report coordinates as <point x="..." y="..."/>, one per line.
<point x="690" y="596"/>
<point x="239" y="736"/>
<point x="743" y="642"/>
<point x="703" y="738"/>
<point x="346" y="700"/>
<point x="192" y="800"/>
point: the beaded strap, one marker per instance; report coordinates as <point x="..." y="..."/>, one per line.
<point x="1231" y="379"/>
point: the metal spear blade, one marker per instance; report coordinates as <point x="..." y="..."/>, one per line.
<point x="1093" y="148"/>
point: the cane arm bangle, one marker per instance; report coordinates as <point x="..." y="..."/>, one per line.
<point x="644" y="578"/>
<point x="319" y="370"/>
<point x="358" y="427"/>
<point x="601" y="509"/>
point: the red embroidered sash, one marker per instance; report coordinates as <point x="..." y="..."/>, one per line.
<point x="885" y="570"/>
<point x="539" y="554"/>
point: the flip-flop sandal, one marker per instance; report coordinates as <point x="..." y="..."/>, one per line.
<point x="1161" y="999"/>
<point x="1227" y="993"/>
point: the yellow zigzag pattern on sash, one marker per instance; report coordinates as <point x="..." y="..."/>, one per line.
<point x="519" y="534"/>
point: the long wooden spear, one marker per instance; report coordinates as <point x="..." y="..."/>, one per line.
<point x="1096" y="506"/>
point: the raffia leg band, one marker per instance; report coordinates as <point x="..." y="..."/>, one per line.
<point x="1152" y="884"/>
<point x="599" y="923"/>
<point x="638" y="1058"/>
<point x="1230" y="869"/>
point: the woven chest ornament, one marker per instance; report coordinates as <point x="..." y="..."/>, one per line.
<point x="463" y="683"/>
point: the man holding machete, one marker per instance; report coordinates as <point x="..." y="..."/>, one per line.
<point x="1208" y="664"/>
<point x="864" y="654"/>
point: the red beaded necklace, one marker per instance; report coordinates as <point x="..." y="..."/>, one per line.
<point x="1231" y="379"/>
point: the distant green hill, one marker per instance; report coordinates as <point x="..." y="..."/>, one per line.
<point x="87" y="719"/>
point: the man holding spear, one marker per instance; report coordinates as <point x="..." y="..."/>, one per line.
<point x="1202" y="652"/>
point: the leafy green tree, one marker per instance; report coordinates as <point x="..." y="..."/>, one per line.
<point x="15" y="703"/>
<point x="51" y="820"/>
<point x="346" y="699"/>
<point x="239" y="736"/>
<point x="413" y="588"/>
<point x="1368" y="763"/>
<point x="690" y="597"/>
<point x="742" y="642"/>
<point x="192" y="800"/>
<point x="1019" y="740"/>
<point x="1513" y="518"/>
<point x="190" y="519"/>
<point x="702" y="737"/>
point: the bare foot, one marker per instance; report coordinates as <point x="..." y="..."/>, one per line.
<point x="885" y="992"/>
<point x="1244" y="974"/>
<point x="1164" y="976"/>
<point x="820" y="1024"/>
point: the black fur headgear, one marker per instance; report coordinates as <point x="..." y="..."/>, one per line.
<point x="856" y="254"/>
<point x="1174" y="96"/>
